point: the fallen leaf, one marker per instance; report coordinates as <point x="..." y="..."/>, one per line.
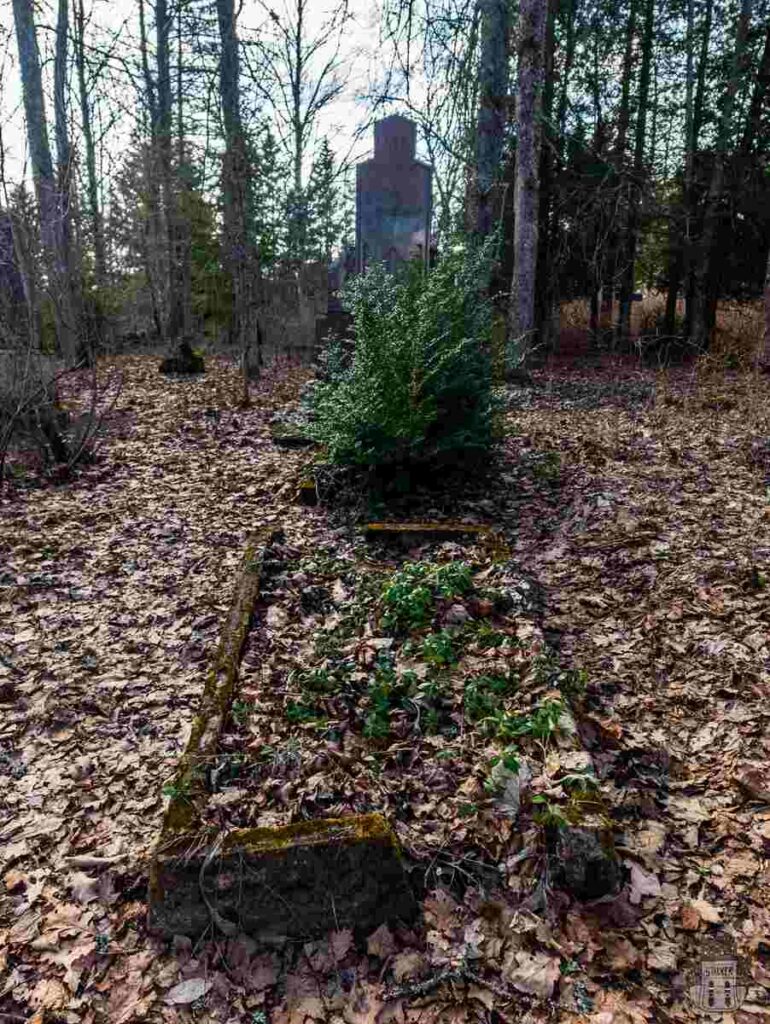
<point x="188" y="991"/>
<point x="408" y="965"/>
<point x="381" y="943"/>
<point x="706" y="912"/>
<point x="49" y="994"/>
<point x="84" y="888"/>
<point x="536" y="974"/>
<point x="662" y="957"/>
<point x="643" y="883"/>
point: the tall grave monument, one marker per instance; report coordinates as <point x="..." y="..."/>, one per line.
<point x="393" y="198"/>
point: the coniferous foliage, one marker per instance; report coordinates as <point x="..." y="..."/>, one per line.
<point x="418" y="388"/>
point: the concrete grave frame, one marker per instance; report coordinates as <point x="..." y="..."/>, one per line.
<point x="295" y="881"/>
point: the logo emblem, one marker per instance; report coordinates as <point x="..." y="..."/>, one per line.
<point x="720" y="979"/>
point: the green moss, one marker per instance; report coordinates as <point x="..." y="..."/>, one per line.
<point x="218" y="689"/>
<point x="332" y="831"/>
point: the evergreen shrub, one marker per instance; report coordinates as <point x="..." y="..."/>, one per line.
<point x="417" y="390"/>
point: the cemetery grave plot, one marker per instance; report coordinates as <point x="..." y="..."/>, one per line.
<point x="416" y="685"/>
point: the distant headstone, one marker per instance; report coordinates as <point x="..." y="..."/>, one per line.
<point x="393" y="198"/>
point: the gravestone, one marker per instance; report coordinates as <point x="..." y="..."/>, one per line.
<point x="393" y="198"/>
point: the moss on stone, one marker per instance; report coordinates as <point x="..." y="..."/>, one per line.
<point x="291" y="880"/>
<point x="356" y="829"/>
<point x="497" y="547"/>
<point x="185" y="806"/>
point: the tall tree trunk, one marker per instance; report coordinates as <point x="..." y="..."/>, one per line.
<point x="531" y="46"/>
<point x="690" y="189"/>
<point x="42" y="169"/>
<point x="490" y="125"/>
<point x="92" y="186"/>
<point x="703" y="297"/>
<point x="759" y="99"/>
<point x="69" y="288"/>
<point x="615" y="236"/>
<point x="240" y="260"/>
<point x="296" y="94"/>
<point x="632" y="225"/>
<point x="677" y="228"/>
<point x="546" y="299"/>
<point x="162" y="133"/>
<point x="183" y="248"/>
<point x="153" y="258"/>
<point x="765" y="356"/>
<point x="569" y="57"/>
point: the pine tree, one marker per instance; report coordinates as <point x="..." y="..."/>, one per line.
<point x="326" y="215"/>
<point x="267" y="215"/>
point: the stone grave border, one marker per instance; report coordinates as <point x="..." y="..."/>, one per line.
<point x="252" y="863"/>
<point x="181" y="901"/>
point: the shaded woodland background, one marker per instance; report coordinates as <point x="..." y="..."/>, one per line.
<point x="619" y="148"/>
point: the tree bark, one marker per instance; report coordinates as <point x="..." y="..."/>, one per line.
<point x="632" y="226"/>
<point x="546" y="288"/>
<point x="490" y="124"/>
<point x="69" y="288"/>
<point x="183" y="231"/>
<point x="613" y="269"/>
<point x="765" y="357"/>
<point x="92" y="186"/>
<point x="531" y="46"/>
<point x="163" y="129"/>
<point x="240" y="260"/>
<point x="42" y="169"/>
<point x="154" y="259"/>
<point x="678" y="231"/>
<point x="703" y="297"/>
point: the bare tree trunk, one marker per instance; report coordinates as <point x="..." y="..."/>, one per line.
<point x="240" y="260"/>
<point x="632" y="226"/>
<point x="42" y="168"/>
<point x="546" y="289"/>
<point x="765" y="357"/>
<point x="613" y="264"/>
<point x="296" y="95"/>
<point x="679" y="230"/>
<point x="92" y="187"/>
<point x="69" y="288"/>
<point x="162" y="134"/>
<point x="183" y="253"/>
<point x="703" y="298"/>
<point x="154" y="232"/>
<point x="490" y="125"/>
<point x="531" y="46"/>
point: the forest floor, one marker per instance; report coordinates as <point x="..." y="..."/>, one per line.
<point x="637" y="501"/>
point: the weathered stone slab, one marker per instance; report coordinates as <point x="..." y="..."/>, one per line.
<point x="189" y="784"/>
<point x="295" y="882"/>
<point x="428" y="529"/>
<point x="286" y="440"/>
<point x="409" y="532"/>
<point x="307" y="493"/>
<point x="583" y="860"/>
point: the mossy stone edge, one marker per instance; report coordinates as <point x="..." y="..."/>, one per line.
<point x="347" y="869"/>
